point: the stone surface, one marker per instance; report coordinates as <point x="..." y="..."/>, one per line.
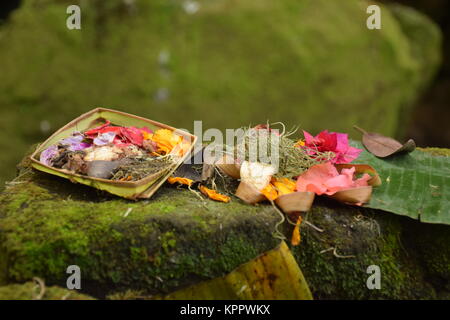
<point x="307" y="63"/>
<point x="175" y="240"/>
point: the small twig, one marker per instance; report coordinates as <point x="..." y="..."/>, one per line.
<point x="198" y="194"/>
<point x="337" y="255"/>
<point x="313" y="226"/>
<point x="217" y="171"/>
<point x="17" y="180"/>
<point x="277" y="234"/>
<point x="213" y="183"/>
<point x="341" y="257"/>
<point x="290" y="221"/>
<point x="282" y="125"/>
<point x="359" y="129"/>
<point x="41" y="285"/>
<point x="66" y="296"/>
<point x="326" y="250"/>
<point x="127" y="212"/>
<point x="243" y="288"/>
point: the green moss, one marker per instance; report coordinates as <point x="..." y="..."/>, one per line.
<point x="128" y="295"/>
<point x="168" y="242"/>
<point x="31" y="291"/>
<point x="430" y="245"/>
<point x="370" y="238"/>
<point x="3" y="266"/>
<point x="437" y="151"/>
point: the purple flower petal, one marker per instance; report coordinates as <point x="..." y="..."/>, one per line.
<point x="48" y="154"/>
<point x="105" y="138"/>
<point x="75" y="143"/>
<point x="79" y="146"/>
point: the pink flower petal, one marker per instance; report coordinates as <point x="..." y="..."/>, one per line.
<point x="313" y="179"/>
<point x="331" y="141"/>
<point x="309" y="139"/>
<point x="363" y="181"/>
<point x="316" y="188"/>
<point x="338" y="183"/>
<point x="342" y="142"/>
<point x="146" y="129"/>
<point x="325" y="179"/>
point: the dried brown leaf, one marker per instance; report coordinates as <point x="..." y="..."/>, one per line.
<point x="382" y="146"/>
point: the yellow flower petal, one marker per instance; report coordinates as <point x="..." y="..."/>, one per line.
<point x="300" y="143"/>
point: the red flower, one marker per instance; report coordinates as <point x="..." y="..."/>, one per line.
<point x="125" y="136"/>
<point x="133" y="135"/>
<point x="331" y="141"/>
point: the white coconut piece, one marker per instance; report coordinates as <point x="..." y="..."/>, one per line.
<point x="257" y="174"/>
<point x="105" y="153"/>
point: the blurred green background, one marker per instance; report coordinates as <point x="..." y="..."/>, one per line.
<point x="230" y="63"/>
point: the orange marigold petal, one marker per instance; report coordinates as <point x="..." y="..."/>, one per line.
<point x="270" y="192"/>
<point x="185" y="181"/>
<point x="146" y="135"/>
<point x="295" y="241"/>
<point x="214" y="195"/>
<point x="284" y="186"/>
<point x="166" y="140"/>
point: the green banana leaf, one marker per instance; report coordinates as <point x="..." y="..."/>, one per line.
<point x="274" y="275"/>
<point x="416" y="185"/>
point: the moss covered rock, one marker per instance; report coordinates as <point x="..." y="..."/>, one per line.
<point x="175" y="240"/>
<point x="336" y="261"/>
<point x="307" y="62"/>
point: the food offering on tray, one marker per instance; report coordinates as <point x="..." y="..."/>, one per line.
<point x="124" y="153"/>
<point x="120" y="153"/>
